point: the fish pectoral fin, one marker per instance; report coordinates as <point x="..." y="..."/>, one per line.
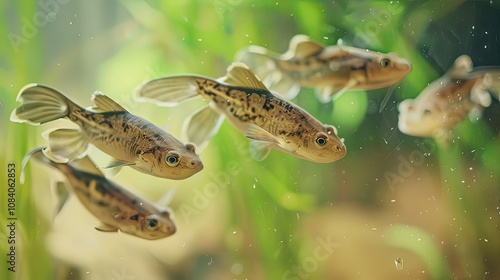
<point x="328" y="93"/>
<point x="461" y="67"/>
<point x="106" y="228"/>
<point x="116" y="163"/>
<point x="114" y="171"/>
<point x="256" y="132"/>
<point x="202" y="125"/>
<point x="65" y="144"/>
<point x="238" y="74"/>
<point x="259" y="150"/>
<point x="261" y="142"/>
<point x="103" y="103"/>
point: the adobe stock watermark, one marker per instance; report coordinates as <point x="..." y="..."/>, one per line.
<point x="204" y="194"/>
<point x="408" y="164"/>
<point x="122" y="275"/>
<point x="128" y="101"/>
<point x="46" y="12"/>
<point x="379" y="20"/>
<point x="321" y="252"/>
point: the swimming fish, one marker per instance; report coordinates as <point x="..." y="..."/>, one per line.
<point x="331" y="70"/>
<point x="461" y="92"/>
<point x="113" y="205"/>
<point x="130" y="140"/>
<point x="267" y="119"/>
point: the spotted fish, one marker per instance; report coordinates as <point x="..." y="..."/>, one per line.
<point x="463" y="91"/>
<point x="116" y="208"/>
<point x="267" y="119"/>
<point x="331" y="70"/>
<point x="130" y="140"/>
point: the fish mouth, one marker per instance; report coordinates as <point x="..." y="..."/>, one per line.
<point x="169" y="229"/>
<point x="405" y="66"/>
<point x="340" y="149"/>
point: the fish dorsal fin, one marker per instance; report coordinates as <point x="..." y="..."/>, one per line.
<point x="461" y="67"/>
<point x="103" y="103"/>
<point x="238" y="74"/>
<point x="301" y="46"/>
<point x="86" y="165"/>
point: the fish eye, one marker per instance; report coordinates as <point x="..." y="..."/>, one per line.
<point x="384" y="62"/>
<point x="152" y="223"/>
<point x="172" y="159"/>
<point x="321" y="139"/>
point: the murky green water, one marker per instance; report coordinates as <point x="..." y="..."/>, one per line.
<point x="393" y="199"/>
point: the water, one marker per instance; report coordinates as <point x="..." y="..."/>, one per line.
<point x="393" y="197"/>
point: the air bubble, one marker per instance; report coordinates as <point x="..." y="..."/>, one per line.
<point x="236" y="269"/>
<point x="399" y="263"/>
<point x="51" y="17"/>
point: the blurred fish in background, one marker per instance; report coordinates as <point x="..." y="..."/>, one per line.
<point x="331" y="70"/>
<point x="461" y="92"/>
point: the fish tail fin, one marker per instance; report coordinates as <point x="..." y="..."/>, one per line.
<point x="41" y="104"/>
<point x="38" y="154"/>
<point x="264" y="65"/>
<point x="168" y="91"/>
<point x="201" y="126"/>
<point x="45" y="156"/>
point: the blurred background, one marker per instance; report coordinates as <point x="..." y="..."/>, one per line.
<point x="396" y="207"/>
